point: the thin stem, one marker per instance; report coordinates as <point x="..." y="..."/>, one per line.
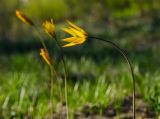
<point x="51" y="90"/>
<point x="40" y="38"/>
<point x="52" y="69"/>
<point x="65" y="75"/>
<point x="61" y="97"/>
<point x="129" y="63"/>
<point x="54" y="73"/>
<point x="59" y="85"/>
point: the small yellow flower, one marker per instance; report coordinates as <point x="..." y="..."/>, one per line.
<point x="49" y="27"/>
<point x="24" y="18"/>
<point x="79" y="36"/>
<point x="45" y="56"/>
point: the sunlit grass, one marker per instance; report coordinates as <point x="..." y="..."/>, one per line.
<point x="24" y="85"/>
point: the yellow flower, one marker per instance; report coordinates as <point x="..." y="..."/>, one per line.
<point x="79" y="36"/>
<point x="24" y="18"/>
<point x="49" y="27"/>
<point x="45" y="56"/>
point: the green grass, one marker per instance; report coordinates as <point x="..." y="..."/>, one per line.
<point x="24" y="87"/>
<point x="97" y="75"/>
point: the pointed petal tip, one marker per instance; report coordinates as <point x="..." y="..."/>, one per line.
<point x="69" y="45"/>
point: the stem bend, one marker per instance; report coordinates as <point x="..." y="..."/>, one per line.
<point x="128" y="61"/>
<point x="65" y="75"/>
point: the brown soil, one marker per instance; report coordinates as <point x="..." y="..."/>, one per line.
<point x="143" y="111"/>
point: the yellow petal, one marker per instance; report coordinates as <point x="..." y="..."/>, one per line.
<point x="68" y="30"/>
<point x="71" y="39"/>
<point x="79" y="41"/>
<point x="77" y="33"/>
<point x="76" y="27"/>
<point x="69" y="44"/>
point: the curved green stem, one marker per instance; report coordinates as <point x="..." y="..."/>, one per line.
<point x="54" y="73"/>
<point x="129" y="63"/>
<point x="52" y="69"/>
<point x="65" y="75"/>
<point x="51" y="89"/>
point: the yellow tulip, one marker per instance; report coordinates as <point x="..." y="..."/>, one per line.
<point x="49" y="27"/>
<point x="24" y="18"/>
<point x="79" y="36"/>
<point x="46" y="57"/>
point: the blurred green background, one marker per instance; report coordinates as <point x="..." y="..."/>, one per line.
<point x="97" y="74"/>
